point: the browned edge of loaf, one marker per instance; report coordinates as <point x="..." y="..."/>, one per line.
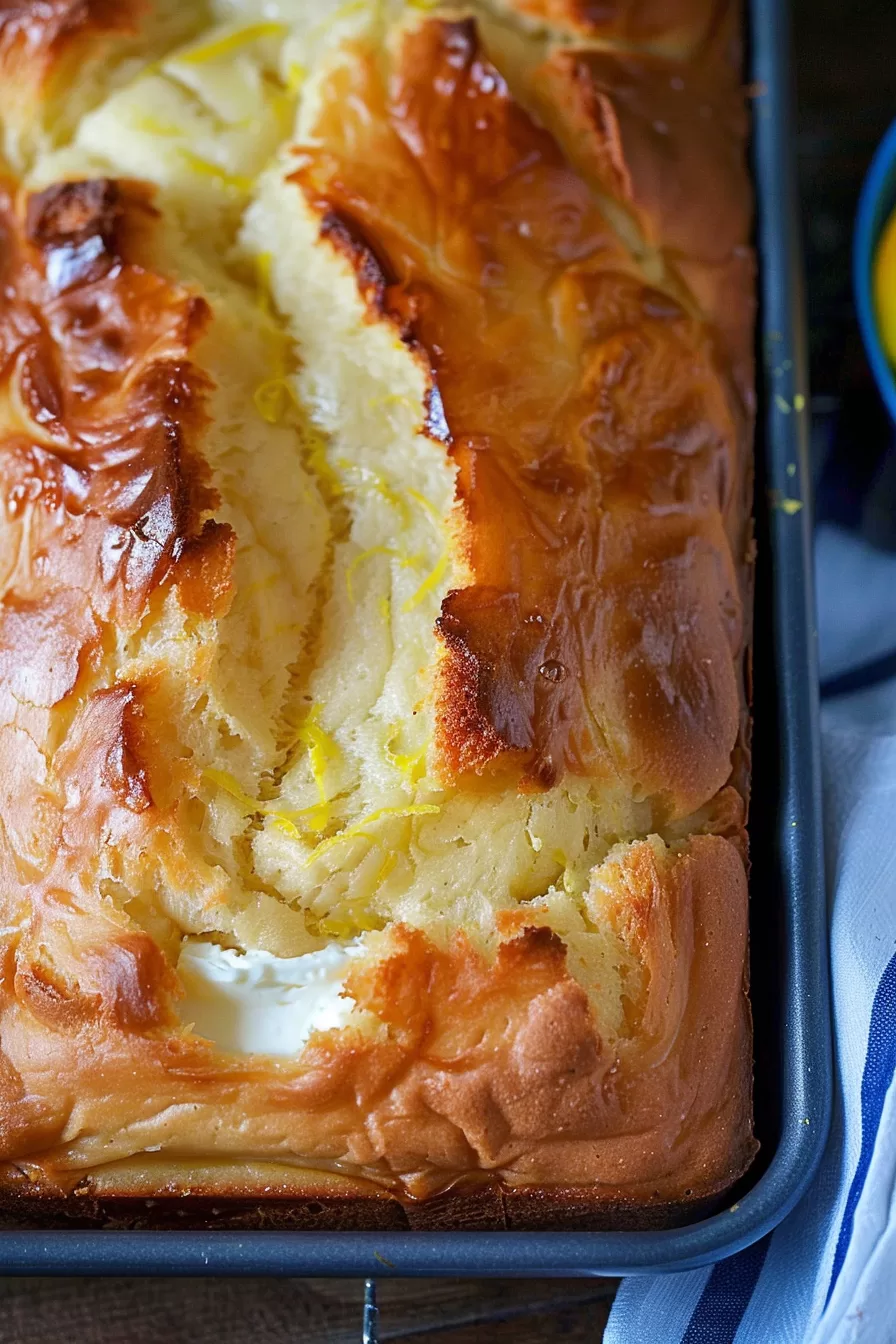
<point x="470" y="1206"/>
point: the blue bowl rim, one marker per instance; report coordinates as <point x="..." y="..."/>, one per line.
<point x="878" y="195"/>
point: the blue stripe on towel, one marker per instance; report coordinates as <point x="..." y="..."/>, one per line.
<point x="718" y="1314"/>
<point x="880" y="1065"/>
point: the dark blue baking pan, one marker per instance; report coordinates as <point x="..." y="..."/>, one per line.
<point x="788" y="924"/>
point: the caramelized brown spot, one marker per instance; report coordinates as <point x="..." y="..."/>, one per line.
<point x="135" y="981"/>
<point x="346" y="237"/>
<point x="52" y="1000"/>
<point x="204" y="574"/>
<point x="385" y="296"/>
<point x="121" y="769"/>
<point x="72" y="212"/>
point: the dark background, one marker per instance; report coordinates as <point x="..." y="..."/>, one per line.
<point x="845" y="66"/>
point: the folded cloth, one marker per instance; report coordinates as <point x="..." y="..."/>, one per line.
<point x="827" y="1275"/>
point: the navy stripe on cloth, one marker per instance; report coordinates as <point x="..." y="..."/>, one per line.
<point x="880" y="1065"/>
<point x="726" y="1296"/>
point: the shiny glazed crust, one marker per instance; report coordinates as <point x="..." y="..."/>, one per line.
<point x="536" y="217"/>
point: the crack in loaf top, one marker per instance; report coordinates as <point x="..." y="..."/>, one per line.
<point x="593" y="434"/>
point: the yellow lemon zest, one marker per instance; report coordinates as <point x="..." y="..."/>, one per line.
<point x="388" y="864"/>
<point x="231" y="42"/>
<point x="283" y="823"/>
<point x="406" y="561"/>
<point x="322" y="749"/>
<point x="382" y="488"/>
<point x="357" y="829"/>
<point x="353" y="921"/>
<point x="232" y="181"/>
<point x="425" y="503"/>
<point x="226" y="781"/>
<point x="263" y="263"/>
<point x="412" y="764"/>
<point x="366" y="479"/>
<point x="432" y="581"/>
<point x="155" y="126"/>
<point x="319" y="463"/>
<point x="296" y="75"/>
<point x="273" y="397"/>
<point x="271" y="400"/>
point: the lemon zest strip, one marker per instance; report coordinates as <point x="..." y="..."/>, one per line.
<point x="412" y="764"/>
<point x="432" y="581"/>
<point x="322" y="749"/>
<point x="233" y="181"/>
<point x="151" y="125"/>
<point x="406" y="561"/>
<point x="388" y="864"/>
<point x="296" y="75"/>
<point x="224" y="780"/>
<point x="231" y="42"/>
<point x="272" y="399"/>
<point x="253" y="806"/>
<point x="425" y="503"/>
<point x="372" y="480"/>
<point x="357" y="829"/>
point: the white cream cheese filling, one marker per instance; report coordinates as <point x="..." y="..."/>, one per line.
<point x="255" y="1003"/>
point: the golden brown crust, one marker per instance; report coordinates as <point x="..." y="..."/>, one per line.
<point x="594" y="397"/>
<point x="677" y="27"/>
<point x="652" y="131"/>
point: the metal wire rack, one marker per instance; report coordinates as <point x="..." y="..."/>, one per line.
<point x="370" y="1322"/>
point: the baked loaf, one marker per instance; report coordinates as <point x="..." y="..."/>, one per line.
<point x="375" y="429"/>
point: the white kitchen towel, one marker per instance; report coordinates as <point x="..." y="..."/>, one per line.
<point x="827" y="1275"/>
